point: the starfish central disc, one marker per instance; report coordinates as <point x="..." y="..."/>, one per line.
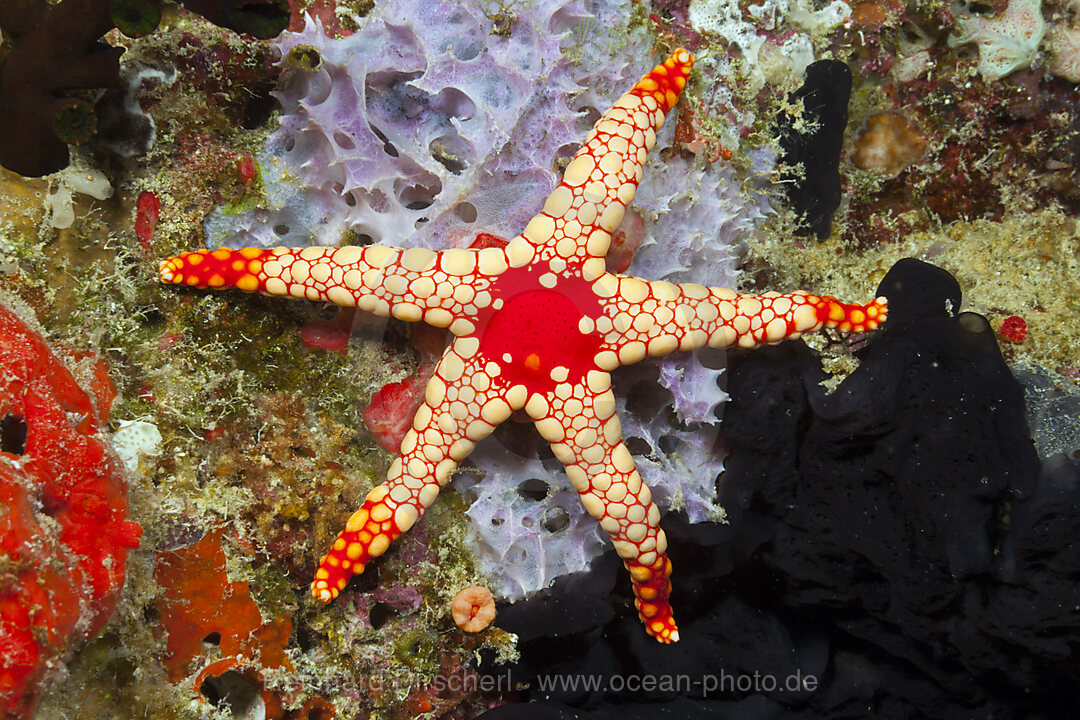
<point x="535" y="335"/>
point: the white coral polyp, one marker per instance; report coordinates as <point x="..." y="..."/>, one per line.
<point x="1065" y="52"/>
<point x="1006" y="43"/>
<point x="135" y="440"/>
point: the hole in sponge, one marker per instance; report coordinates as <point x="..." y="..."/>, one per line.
<point x="555" y="519"/>
<point x="669" y="444"/>
<point x="450" y="151"/>
<point x="236" y="692"/>
<point x="455" y="103"/>
<point x="13" y="434"/>
<point x="637" y="446"/>
<point x="418" y="197"/>
<point x="344" y="141"/>
<point x="533" y="489"/>
<point x="466" y="211"/>
<point x="380" y="614"/>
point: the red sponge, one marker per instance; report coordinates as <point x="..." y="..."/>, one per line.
<point x="63" y="507"/>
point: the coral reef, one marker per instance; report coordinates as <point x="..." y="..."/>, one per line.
<point x="200" y="608"/>
<point x="260" y="405"/>
<point x="774" y="38"/>
<point x="76" y="178"/>
<point x="1063" y="40"/>
<point x="198" y="601"/>
<point x="64" y="535"/>
<point x="51" y="49"/>
<point x="966" y="111"/>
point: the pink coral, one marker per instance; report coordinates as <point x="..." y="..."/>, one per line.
<point x="473" y="608"/>
<point x="1014" y="329"/>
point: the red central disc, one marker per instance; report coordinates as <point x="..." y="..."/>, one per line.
<point x="538" y="328"/>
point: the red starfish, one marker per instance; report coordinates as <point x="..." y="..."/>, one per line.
<point x="539" y="325"/>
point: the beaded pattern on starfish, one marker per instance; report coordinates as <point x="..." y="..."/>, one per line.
<point x="539" y="325"/>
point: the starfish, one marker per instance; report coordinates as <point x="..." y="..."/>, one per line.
<point x="537" y="325"/>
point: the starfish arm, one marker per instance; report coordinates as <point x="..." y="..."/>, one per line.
<point x="581" y="213"/>
<point x="585" y="434"/>
<point x="463" y="403"/>
<point x="656" y="318"/>
<point x="443" y="289"/>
